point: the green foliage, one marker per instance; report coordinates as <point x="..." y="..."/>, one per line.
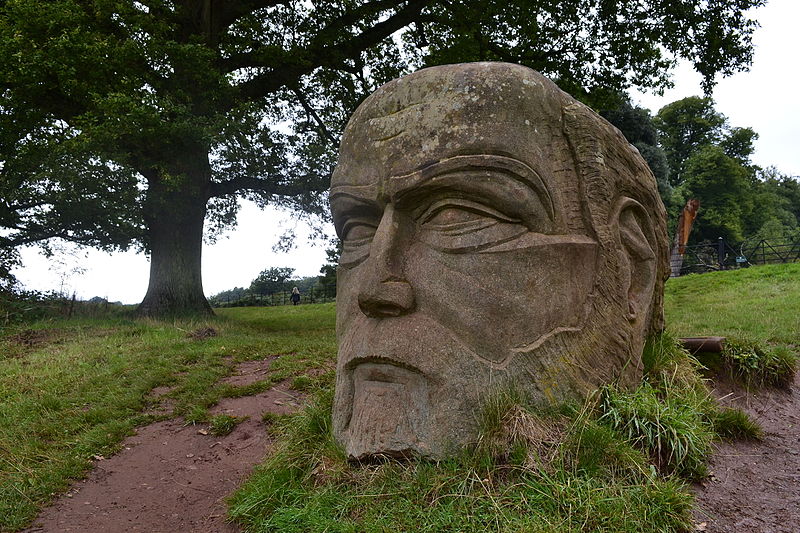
<point x="327" y="276"/>
<point x="271" y="280"/>
<point x="710" y="161"/>
<point x="127" y="123"/>
<point x="738" y="144"/>
<point x="748" y="361"/>
<point x="721" y="184"/>
<point x="686" y="126"/>
<point x="776" y="211"/>
<point x="221" y="425"/>
<point x="639" y="128"/>
<point x="735" y="424"/>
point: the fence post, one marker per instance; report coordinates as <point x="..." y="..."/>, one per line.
<point x="721" y="253"/>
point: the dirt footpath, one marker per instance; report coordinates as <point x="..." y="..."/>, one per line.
<point x="755" y="486"/>
<point x="171" y="477"/>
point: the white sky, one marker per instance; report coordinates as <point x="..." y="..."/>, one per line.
<point x="765" y="98"/>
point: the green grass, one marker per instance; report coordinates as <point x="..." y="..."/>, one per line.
<point x="736" y="424"/>
<point x="757" y="309"/>
<point x="753" y="364"/>
<point x="308" y="486"/>
<point x="223" y="424"/>
<point x="760" y="303"/>
<point x="619" y="462"/>
<point x="71" y="389"/>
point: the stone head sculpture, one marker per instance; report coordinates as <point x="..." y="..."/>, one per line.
<point x="496" y="233"/>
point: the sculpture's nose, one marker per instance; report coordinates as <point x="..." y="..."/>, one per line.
<point x="385" y="292"/>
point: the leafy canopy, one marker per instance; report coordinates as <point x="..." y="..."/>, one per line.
<point x="114" y="112"/>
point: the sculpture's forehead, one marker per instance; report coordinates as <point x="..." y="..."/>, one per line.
<point x="442" y="112"/>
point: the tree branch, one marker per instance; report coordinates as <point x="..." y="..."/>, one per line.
<point x="325" y="53"/>
<point x="313" y="114"/>
<point x="257" y="184"/>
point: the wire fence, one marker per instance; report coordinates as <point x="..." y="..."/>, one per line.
<point x="722" y="255"/>
<point x="247" y="298"/>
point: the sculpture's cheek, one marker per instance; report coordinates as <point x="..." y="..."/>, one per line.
<point x="497" y="303"/>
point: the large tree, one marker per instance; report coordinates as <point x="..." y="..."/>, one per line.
<point x="685" y="126"/>
<point x="721" y="184"/>
<point x="133" y="122"/>
<point x="639" y="129"/>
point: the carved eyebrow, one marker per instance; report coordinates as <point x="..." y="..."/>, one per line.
<point x="351" y="201"/>
<point x="398" y="185"/>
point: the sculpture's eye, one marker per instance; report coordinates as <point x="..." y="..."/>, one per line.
<point x="457" y="214"/>
<point x="459" y="225"/>
<point x="356" y="231"/>
<point x="356" y="236"/>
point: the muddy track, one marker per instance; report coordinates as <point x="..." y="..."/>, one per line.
<point x="755" y="486"/>
<point x="172" y="477"/>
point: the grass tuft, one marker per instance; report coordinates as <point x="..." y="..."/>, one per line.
<point x="750" y="363"/>
<point x="302" y="383"/>
<point x="672" y="428"/>
<point x="221" y="425"/>
<point x="735" y="424"/>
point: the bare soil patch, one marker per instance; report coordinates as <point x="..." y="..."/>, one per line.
<point x="755" y="486"/>
<point x="160" y="403"/>
<point x="170" y="476"/>
<point x="249" y="372"/>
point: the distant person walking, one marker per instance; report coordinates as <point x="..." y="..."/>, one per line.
<point x="295" y="296"/>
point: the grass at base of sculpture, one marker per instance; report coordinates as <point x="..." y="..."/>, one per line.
<point x="618" y="462"/>
<point x="71" y="390"/>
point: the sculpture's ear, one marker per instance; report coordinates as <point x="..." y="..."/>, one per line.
<point x="637" y="257"/>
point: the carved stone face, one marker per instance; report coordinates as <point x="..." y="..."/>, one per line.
<point x="475" y="256"/>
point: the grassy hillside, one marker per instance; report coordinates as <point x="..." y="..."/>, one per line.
<point x="72" y="389"/>
<point x="758" y="302"/>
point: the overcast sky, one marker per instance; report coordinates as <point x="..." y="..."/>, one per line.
<point x="765" y="98"/>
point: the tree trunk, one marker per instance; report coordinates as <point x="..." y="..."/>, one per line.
<point x="175" y="211"/>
